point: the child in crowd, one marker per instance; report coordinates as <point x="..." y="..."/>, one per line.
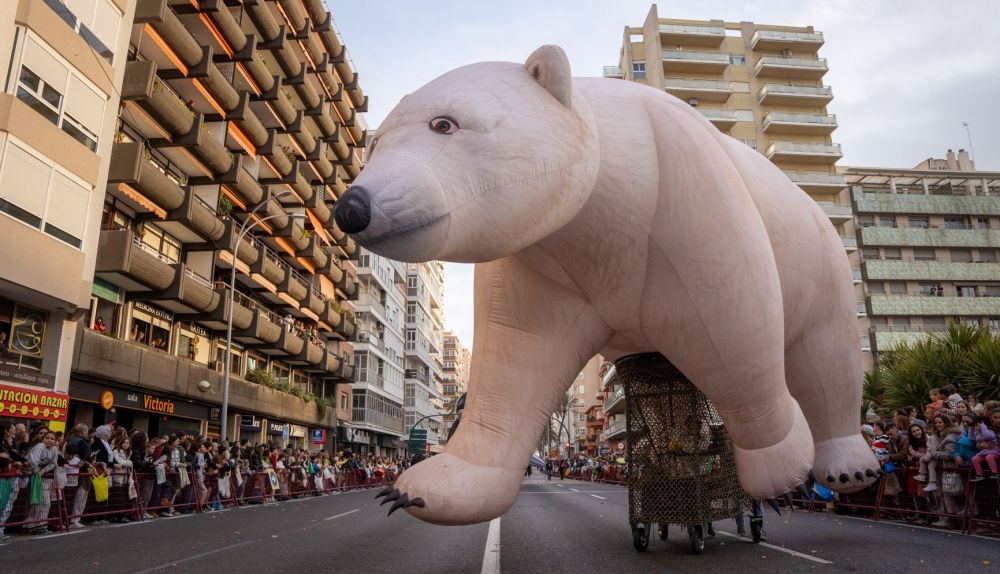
<point x="937" y="401"/>
<point x="953" y="397"/>
<point x="989" y="450"/>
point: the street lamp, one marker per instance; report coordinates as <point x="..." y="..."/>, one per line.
<point x="247" y="225"/>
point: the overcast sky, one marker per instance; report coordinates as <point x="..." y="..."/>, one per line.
<point x="905" y="73"/>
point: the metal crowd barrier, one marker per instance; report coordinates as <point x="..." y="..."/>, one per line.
<point x="23" y="515"/>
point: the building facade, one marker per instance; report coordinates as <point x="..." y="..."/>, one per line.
<point x="456" y="363"/>
<point x="761" y="84"/>
<point x="930" y="247"/>
<point x="611" y="439"/>
<point x="231" y="118"/>
<point x="378" y="356"/>
<point x="424" y="339"/>
<point x="583" y="398"/>
<point x="61" y="65"/>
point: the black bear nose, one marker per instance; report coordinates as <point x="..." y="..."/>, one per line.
<point x="354" y="210"/>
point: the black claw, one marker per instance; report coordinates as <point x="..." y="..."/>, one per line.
<point x="394" y="495"/>
<point x="844" y="478"/>
<point x="384" y="492"/>
<point x="419" y="502"/>
<point x="859" y="476"/>
<point x="803" y="491"/>
<point x="829" y="478"/>
<point x="774" y="504"/>
<point x="871" y="473"/>
<point x="403" y="500"/>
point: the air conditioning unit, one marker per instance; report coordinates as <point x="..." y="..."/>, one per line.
<point x="693" y="102"/>
<point x="786" y="53"/>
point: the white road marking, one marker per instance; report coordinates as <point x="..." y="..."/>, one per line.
<point x="778" y="548"/>
<point x="601" y="497"/>
<point x="559" y="485"/>
<point x="491" y="555"/>
<point x="574" y="490"/>
<point x="195" y="557"/>
<point x="343" y="514"/>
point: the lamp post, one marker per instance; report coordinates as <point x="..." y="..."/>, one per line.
<point x="247" y="225"/>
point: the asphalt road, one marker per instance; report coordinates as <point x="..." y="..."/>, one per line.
<point x="555" y="526"/>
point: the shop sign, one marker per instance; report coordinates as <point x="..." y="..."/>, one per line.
<point x="249" y="422"/>
<point x="154" y="311"/>
<point x="27" y="331"/>
<point x="198" y="330"/>
<point x="136" y="400"/>
<point x="31" y="404"/>
<point x="214" y="414"/>
<point x="276" y="429"/>
<point x="297" y="431"/>
<point x="16" y="374"/>
<point x="317" y="436"/>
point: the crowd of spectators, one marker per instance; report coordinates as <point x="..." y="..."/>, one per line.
<point x="168" y="474"/>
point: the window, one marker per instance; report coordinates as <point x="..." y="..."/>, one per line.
<point x="96" y="21"/>
<point x="892" y="253"/>
<point x="966" y="290"/>
<point x="993" y="290"/>
<point x="639" y="70"/>
<point x="954" y="223"/>
<point x="737" y="59"/>
<point x="887" y="221"/>
<point x="47" y="85"/>
<point x="580" y="390"/>
<point x="923" y="254"/>
<point x="161" y="243"/>
<point x="897" y="287"/>
<point x="870" y="253"/>
<point x="866" y="221"/>
<point x="994" y="324"/>
<point x="35" y="191"/>
<point x="876" y="288"/>
<point x="343" y="401"/>
<point x="919" y="222"/>
<point x="928" y="288"/>
<point x="961" y="255"/>
<point x="982" y="223"/>
<point x="986" y="255"/>
<point x="749" y="142"/>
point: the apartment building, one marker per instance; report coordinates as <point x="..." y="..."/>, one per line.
<point x="930" y="243"/>
<point x="424" y="338"/>
<point x="62" y="63"/>
<point x="759" y="83"/>
<point x="377" y="418"/>
<point x="233" y="117"/>
<point x="583" y="397"/>
<point x="456" y="363"/>
<point x="611" y="439"/>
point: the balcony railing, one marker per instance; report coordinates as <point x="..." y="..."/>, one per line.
<point x="614" y="429"/>
<point x="816" y="178"/>
<point x="787" y="90"/>
<point x="786" y="36"/>
<point x="685" y="55"/>
<point x="817" y="64"/>
<point x="718" y="31"/>
<point x="782" y="117"/>
<point x="608" y="376"/>
<point x="715" y="114"/>
<point x="613" y="72"/>
<point x="616" y="397"/>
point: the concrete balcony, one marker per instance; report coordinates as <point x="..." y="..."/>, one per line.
<point x="346" y="327"/>
<point x="290" y="343"/>
<point x="247" y="251"/>
<point x="189" y="293"/>
<point x="295" y="286"/>
<point x="695" y="62"/>
<point x="198" y="216"/>
<point x="722" y="119"/>
<point x="791" y="68"/>
<point x="331" y="314"/>
<point x="803" y="152"/>
<point x="134" y="364"/>
<point x="850" y="243"/>
<point x="616" y="430"/>
<point x="130" y="167"/>
<point x="263" y="329"/>
<point x="818" y="183"/>
<point x="615" y="403"/>
<point x="923" y="204"/>
<point x="204" y="146"/>
<point x="703" y="90"/>
<point x="243" y="311"/>
<point x="348" y="286"/>
<point x="684" y="35"/>
<point x="894" y="270"/>
<point x="838" y="214"/>
<point x="332" y="363"/>
<point x="315" y="300"/>
<point x="808" y="124"/>
<point x="313" y="353"/>
<point x="613" y="72"/>
<point x="934" y="237"/>
<point x="313" y="252"/>
<point x="270" y="266"/>
<point x="345" y="371"/>
<point x="169" y="34"/>
<point x="785" y="95"/>
<point x="609" y="377"/>
<point x="124" y="260"/>
<point x="142" y="88"/>
<point x="783" y="40"/>
<point x="897" y="305"/>
<point x="887" y="337"/>
<point x="241" y="185"/>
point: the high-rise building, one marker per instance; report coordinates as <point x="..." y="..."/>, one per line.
<point x="424" y="338"/>
<point x="456" y="362"/>
<point x="378" y="356"/>
<point x="930" y="247"/>
<point x="583" y="397"/>
<point x="759" y="83"/>
<point x="233" y="115"/>
<point x="62" y="64"/>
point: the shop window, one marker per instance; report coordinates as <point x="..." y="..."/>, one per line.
<point x="280" y="371"/>
<point x="22" y="334"/>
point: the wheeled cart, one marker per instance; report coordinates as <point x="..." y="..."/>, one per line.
<point x="679" y="459"/>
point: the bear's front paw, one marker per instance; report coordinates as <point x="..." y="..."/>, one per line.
<point x="774" y="470"/>
<point x="846" y="464"/>
<point x="446" y="489"/>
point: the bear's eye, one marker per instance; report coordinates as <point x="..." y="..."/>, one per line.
<point x="444" y="125"/>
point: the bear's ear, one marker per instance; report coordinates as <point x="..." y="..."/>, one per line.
<point x="550" y="68"/>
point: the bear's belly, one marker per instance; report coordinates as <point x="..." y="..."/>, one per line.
<point x="624" y="343"/>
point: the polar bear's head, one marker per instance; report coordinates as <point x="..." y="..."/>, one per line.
<point x="476" y="165"/>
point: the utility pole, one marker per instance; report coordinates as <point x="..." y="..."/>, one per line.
<point x="968" y="134"/>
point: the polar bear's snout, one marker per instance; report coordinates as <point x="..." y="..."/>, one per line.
<point x="354" y="210"/>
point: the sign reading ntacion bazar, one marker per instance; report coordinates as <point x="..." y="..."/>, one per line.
<point x="32" y="404"/>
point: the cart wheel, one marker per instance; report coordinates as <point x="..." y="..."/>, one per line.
<point x="640" y="537"/>
<point x="756" y="527"/>
<point x="696" y="534"/>
<point x="663" y="531"/>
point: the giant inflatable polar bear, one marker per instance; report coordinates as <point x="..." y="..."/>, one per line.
<point x="608" y="217"/>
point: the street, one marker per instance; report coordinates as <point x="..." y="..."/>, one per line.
<point x="557" y="526"/>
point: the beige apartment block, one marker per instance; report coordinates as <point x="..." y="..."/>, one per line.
<point x="930" y="243"/>
<point x="759" y="83"/>
<point x="456" y="363"/>
<point x="62" y="63"/>
<point x="583" y="396"/>
<point x="230" y="113"/>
